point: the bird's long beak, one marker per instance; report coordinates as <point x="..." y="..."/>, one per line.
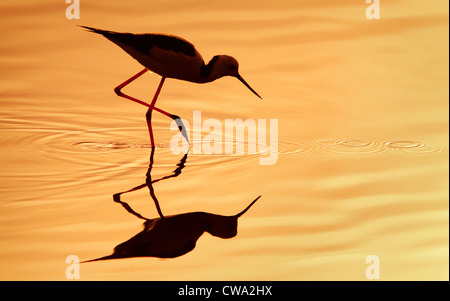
<point x="247" y="85"/>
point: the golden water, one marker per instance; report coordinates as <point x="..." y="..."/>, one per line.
<point x="362" y="167"/>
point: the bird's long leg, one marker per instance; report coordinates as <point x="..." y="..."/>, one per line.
<point x="125" y="83"/>
<point x="148" y="115"/>
<point x="119" y="92"/>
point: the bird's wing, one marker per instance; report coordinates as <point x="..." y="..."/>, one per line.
<point x="145" y="42"/>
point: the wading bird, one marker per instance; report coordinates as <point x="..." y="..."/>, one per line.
<point x="170" y="57"/>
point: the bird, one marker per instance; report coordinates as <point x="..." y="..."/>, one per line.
<point x="170" y="57"/>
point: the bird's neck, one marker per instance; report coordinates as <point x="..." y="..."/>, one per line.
<point x="208" y="73"/>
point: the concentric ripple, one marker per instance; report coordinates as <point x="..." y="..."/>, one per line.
<point x="411" y="146"/>
<point x="65" y="144"/>
<point x="347" y="146"/>
<point x="364" y="147"/>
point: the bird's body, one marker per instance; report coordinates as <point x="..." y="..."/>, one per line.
<point x="170" y="57"/>
<point x="150" y="51"/>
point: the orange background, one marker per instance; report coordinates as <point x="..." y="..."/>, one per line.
<point x="363" y="140"/>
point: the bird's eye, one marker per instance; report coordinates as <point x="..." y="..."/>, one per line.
<point x="233" y="67"/>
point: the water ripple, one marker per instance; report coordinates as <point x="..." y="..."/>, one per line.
<point x="365" y="147"/>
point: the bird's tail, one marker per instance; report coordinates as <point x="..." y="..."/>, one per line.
<point x="96" y="30"/>
<point x="101" y="258"/>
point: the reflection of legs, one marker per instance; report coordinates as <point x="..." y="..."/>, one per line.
<point x="149" y="183"/>
<point x="127" y="207"/>
<point x="119" y="92"/>
<point x="150" y="186"/>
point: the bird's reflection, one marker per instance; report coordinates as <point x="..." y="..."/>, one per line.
<point x="175" y="235"/>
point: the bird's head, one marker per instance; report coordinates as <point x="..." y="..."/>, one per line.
<point x="228" y="66"/>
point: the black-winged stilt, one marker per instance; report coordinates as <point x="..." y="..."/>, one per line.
<point x="170" y="57"/>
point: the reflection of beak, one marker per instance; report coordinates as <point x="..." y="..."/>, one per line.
<point x="248" y="207"/>
<point x="247" y="85"/>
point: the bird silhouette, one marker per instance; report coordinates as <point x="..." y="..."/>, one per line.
<point x="170" y="57"/>
<point x="175" y="235"/>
